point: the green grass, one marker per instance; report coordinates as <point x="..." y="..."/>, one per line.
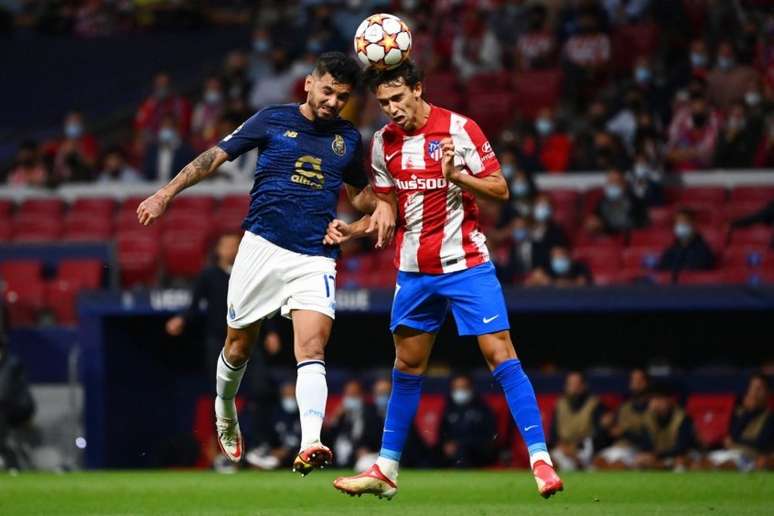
<point x="424" y="493"/>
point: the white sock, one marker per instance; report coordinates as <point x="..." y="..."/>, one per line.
<point x="389" y="467"/>
<point x="227" y="382"/>
<point x="540" y="455"/>
<point x="311" y="395"/>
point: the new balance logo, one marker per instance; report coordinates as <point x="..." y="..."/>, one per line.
<point x="290" y="134"/>
<point x="487" y="320"/>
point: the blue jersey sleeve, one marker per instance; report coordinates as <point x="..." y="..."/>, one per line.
<point x="251" y="134"/>
<point x="354" y="174"/>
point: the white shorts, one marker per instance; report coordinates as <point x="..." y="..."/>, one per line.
<point x="267" y="278"/>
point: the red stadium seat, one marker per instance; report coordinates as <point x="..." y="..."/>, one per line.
<point x="138" y="258"/>
<point x="228" y="220"/>
<point x="184" y="253"/>
<point x="755" y="194"/>
<point x="429" y="417"/>
<point x="662" y="216"/>
<point x="21" y="271"/>
<point x="564" y="198"/>
<point x="608" y="276"/>
<point x="450" y="98"/>
<point x="24" y="301"/>
<point x="82" y="225"/>
<point x="37" y="228"/>
<point x="703" y="211"/>
<point x="738" y="209"/>
<point x="6" y="208"/>
<point x="651" y="237"/>
<point x="94" y="206"/>
<point x="131" y="203"/>
<point x="567" y="217"/>
<point x="491" y="110"/>
<point x="599" y="257"/>
<point x="61" y="300"/>
<point x="499" y="406"/>
<point x="203" y="204"/>
<point x="701" y="278"/>
<point x="84" y="273"/>
<point x="591" y="199"/>
<point x="52" y="207"/>
<point x="535" y="90"/>
<point x="183" y="219"/>
<point x="126" y="222"/>
<point x="716" y="237"/>
<point x="487" y="82"/>
<point x="715" y="195"/>
<point x="747" y="256"/>
<point x="641" y="257"/>
<point x="237" y="202"/>
<point x="611" y="400"/>
<point x="711" y="415"/>
<point x="6" y="231"/>
<point x="547" y="404"/>
<point x="756" y="235"/>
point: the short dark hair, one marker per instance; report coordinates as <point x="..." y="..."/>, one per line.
<point x="343" y="69"/>
<point x="407" y="70"/>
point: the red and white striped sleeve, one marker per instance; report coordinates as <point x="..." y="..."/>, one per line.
<point x="382" y="180"/>
<point x="475" y="151"/>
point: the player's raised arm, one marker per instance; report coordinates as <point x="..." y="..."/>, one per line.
<point x="381" y="208"/>
<point x="492" y="186"/>
<point x="202" y="166"/>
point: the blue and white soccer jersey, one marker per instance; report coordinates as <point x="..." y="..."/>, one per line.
<point x="282" y="263"/>
<point x="474" y="295"/>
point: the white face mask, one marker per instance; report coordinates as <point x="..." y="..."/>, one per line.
<point x="352" y="404"/>
<point x="542" y="212"/>
<point x="752" y="98"/>
<point x="461" y="396"/>
<point x="289" y="405"/>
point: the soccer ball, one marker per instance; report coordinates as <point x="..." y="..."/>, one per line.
<point x="382" y="41"/>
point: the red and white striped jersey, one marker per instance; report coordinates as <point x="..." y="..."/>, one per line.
<point x="437" y="226"/>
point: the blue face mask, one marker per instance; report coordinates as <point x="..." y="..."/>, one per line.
<point x="725" y="63"/>
<point x="73" y="131"/>
<point x="381" y="401"/>
<point x="261" y="45"/>
<point x="560" y="265"/>
<point x="544" y="126"/>
<point x="167" y="135"/>
<point x="508" y="171"/>
<point x="352" y="404"/>
<point x="698" y="60"/>
<point x="520" y="188"/>
<point x="613" y="192"/>
<point x="683" y="231"/>
<point x="542" y="212"/>
<point x="642" y="74"/>
<point x="212" y="97"/>
<point x="520" y="234"/>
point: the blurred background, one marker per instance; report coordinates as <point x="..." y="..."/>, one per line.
<point x="637" y="137"/>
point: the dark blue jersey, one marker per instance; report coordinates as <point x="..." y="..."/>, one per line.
<point x="301" y="166"/>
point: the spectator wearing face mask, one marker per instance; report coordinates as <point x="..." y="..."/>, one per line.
<point x="728" y="80"/>
<point x="285" y="435"/>
<point x="689" y="251"/>
<point x="519" y="262"/>
<point x="554" y="145"/>
<point x="562" y="271"/>
<point x="545" y="233"/>
<point x="522" y="186"/>
<point x="467" y="428"/>
<point x="206" y="115"/>
<point x="163" y="102"/>
<point x="576" y="424"/>
<point x="693" y="135"/>
<point x="74" y="155"/>
<point x="28" y="169"/>
<point x="645" y="180"/>
<point x="115" y="168"/>
<point x="354" y="429"/>
<point x="738" y="139"/>
<point x="165" y="158"/>
<point x="586" y="55"/>
<point x="619" y="210"/>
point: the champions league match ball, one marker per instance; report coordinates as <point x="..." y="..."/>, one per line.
<point x="382" y="41"/>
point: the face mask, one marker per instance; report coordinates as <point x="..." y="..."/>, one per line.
<point x="461" y="396"/>
<point x="725" y="63"/>
<point x="508" y="171"/>
<point x="261" y="45"/>
<point x="642" y="74"/>
<point x="289" y="405"/>
<point x="212" y="97"/>
<point x="520" y="188"/>
<point x="613" y="192"/>
<point x="381" y="401"/>
<point x="544" y="126"/>
<point x="73" y="131"/>
<point x="542" y="212"/>
<point x="698" y="60"/>
<point x="167" y="136"/>
<point x="752" y="98"/>
<point x="641" y="170"/>
<point x="352" y="404"/>
<point x="560" y="265"/>
<point x="520" y="234"/>
<point x="735" y="123"/>
<point x="683" y="230"/>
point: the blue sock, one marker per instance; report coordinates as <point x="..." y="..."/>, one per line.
<point x="523" y="404"/>
<point x="401" y="409"/>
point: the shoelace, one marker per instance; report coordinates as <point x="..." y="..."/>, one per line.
<point x="227" y="430"/>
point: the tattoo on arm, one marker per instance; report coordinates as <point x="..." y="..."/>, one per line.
<point x="198" y="169"/>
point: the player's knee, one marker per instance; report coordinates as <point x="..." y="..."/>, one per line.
<point x="499" y="350"/>
<point x="410" y="365"/>
<point x="311" y="348"/>
<point x="237" y="350"/>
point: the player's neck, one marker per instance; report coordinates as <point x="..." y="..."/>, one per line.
<point x="307" y="112"/>
<point x="421" y="116"/>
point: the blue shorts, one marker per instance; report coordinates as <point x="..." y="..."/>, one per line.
<point x="476" y="298"/>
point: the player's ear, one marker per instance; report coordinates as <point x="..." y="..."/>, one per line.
<point x="418" y="90"/>
<point x="308" y="83"/>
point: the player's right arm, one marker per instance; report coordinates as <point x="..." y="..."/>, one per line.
<point x="202" y="166"/>
<point x="339" y="231"/>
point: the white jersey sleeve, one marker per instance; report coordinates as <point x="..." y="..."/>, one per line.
<point x="382" y="180"/>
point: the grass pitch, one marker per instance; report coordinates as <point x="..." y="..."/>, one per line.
<point x="425" y="493"/>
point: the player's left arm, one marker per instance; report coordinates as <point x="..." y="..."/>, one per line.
<point x="492" y="185"/>
<point x="380" y="211"/>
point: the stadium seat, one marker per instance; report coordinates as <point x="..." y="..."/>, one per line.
<point x="491" y="110"/>
<point x="631" y="41"/>
<point x="547" y="404"/>
<point x="610" y="400"/>
<point x="606" y="277"/>
<point x="37" y="227"/>
<point x="716" y="237"/>
<point x="126" y="221"/>
<point x="85" y="226"/>
<point x="21" y="271"/>
<point x="641" y="257"/>
<point x="499" y="406"/>
<point x="487" y="82"/>
<point x="239" y="202"/>
<point x="651" y="237"/>
<point x="52" y="207"/>
<point x="746" y="256"/>
<point x="602" y="258"/>
<point x="187" y="220"/>
<point x="6" y="208"/>
<point x="759" y="195"/>
<point x="711" y="415"/>
<point x="564" y="198"/>
<point x="184" y="253"/>
<point x="703" y="211"/>
<point x="714" y="195"/>
<point x="429" y="417"/>
<point x="84" y="273"/>
<point x="567" y="217"/>
<point x="203" y="204"/>
<point x="131" y="203"/>
<point x="701" y="278"/>
<point x="535" y="90"/>
<point x="24" y="301"/>
<point x="138" y="258"/>
<point x="60" y="298"/>
<point x="756" y="235"/>
<point x="94" y="206"/>
<point x="228" y="220"/>
<point x="6" y="231"/>
<point x="661" y="216"/>
<point x="591" y="199"/>
<point x="450" y="98"/>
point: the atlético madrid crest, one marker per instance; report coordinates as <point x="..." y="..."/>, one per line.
<point x="339" y="146"/>
<point x="434" y="150"/>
